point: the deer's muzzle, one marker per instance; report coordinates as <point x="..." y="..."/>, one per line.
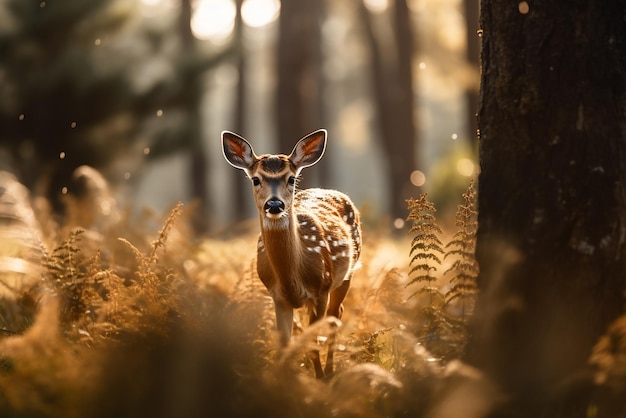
<point x="274" y="206"/>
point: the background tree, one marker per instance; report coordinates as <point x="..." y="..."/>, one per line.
<point x="299" y="63"/>
<point x="392" y="81"/>
<point x="240" y="189"/>
<point x="94" y="83"/>
<point x="552" y="206"/>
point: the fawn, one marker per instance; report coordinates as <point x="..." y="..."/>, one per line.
<point x="310" y="239"/>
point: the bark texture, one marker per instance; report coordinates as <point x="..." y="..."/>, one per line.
<point x="552" y="202"/>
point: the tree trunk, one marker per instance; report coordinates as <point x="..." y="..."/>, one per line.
<point x="393" y="90"/>
<point x="240" y="185"/>
<point x="552" y="203"/>
<point x="198" y="176"/>
<point x="471" y="8"/>
<point x="298" y="100"/>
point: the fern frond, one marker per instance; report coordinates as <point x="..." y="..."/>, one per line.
<point x="422" y="278"/>
<point x="423" y="266"/>
<point x="437" y="299"/>
<point x="462" y="247"/>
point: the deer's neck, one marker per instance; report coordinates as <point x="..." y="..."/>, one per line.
<point x="283" y="247"/>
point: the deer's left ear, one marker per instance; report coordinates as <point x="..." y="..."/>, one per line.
<point x="309" y="150"/>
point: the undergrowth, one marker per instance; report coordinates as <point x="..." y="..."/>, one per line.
<point x="116" y="324"/>
<point x="447" y="297"/>
<point x="123" y="325"/>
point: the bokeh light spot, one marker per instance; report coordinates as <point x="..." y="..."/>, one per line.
<point x="418" y="178"/>
<point x="258" y="13"/>
<point x="398" y="223"/>
<point x="523" y="7"/>
<point x="377" y="6"/>
<point x="213" y="19"/>
<point x="465" y="167"/>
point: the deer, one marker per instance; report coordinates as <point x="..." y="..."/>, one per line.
<point x="310" y="240"/>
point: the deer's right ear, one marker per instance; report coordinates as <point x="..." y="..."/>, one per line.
<point x="237" y="151"/>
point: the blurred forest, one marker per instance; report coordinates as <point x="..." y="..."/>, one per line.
<point x="140" y="90"/>
<point x="505" y="299"/>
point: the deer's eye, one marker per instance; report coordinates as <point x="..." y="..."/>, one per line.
<point x="291" y="181"/>
<point x="256" y="181"/>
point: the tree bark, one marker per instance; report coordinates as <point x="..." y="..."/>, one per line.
<point x="471" y="8"/>
<point x="552" y="203"/>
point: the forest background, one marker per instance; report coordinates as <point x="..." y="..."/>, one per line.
<point x="109" y="107"/>
<point x="141" y="90"/>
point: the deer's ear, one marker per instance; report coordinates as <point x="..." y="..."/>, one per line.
<point x="309" y="150"/>
<point x="237" y="151"/>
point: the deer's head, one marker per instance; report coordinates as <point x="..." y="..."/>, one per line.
<point x="273" y="177"/>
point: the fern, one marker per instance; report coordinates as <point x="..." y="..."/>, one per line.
<point x="154" y="297"/>
<point x="462" y="246"/>
<point x="426" y="254"/>
<point x="426" y="247"/>
<point x="66" y="271"/>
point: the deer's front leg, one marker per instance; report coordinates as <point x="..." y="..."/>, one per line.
<point x="317" y="312"/>
<point x="284" y="321"/>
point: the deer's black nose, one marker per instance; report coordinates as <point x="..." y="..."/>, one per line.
<point x="274" y="206"/>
